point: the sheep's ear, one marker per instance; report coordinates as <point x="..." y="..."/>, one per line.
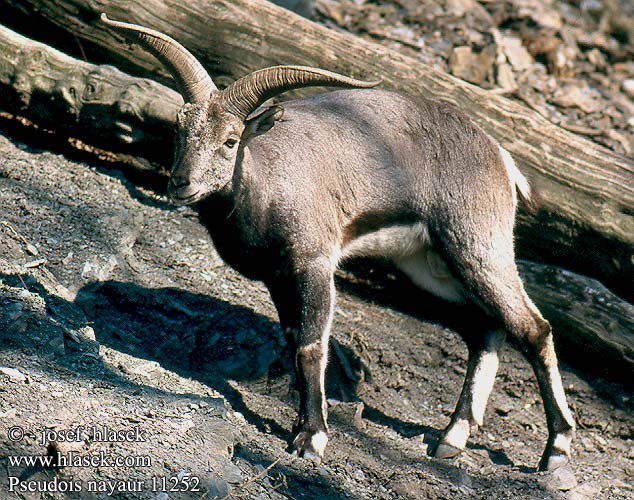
<point x="263" y="121"/>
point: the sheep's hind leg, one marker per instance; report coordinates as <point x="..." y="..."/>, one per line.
<point x="540" y="352"/>
<point x="524" y="322"/>
<point x="430" y="272"/>
<point x="469" y="413"/>
<point x="494" y="283"/>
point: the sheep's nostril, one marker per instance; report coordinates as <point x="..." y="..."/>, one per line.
<point x="178" y="182"/>
<point x="182" y="190"/>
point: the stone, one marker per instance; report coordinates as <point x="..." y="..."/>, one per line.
<point x="13" y="374"/>
<point x="505" y="77"/>
<point x="561" y="62"/>
<point x="628" y="87"/>
<point x="562" y="479"/>
<point x="515" y="52"/>
<point x="145" y="368"/>
<point x="471" y="66"/>
<point x="596" y="57"/>
<point x="217" y="487"/>
<point x="580" y="96"/>
<point x="585" y="491"/>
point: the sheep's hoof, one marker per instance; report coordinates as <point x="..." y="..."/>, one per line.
<point x="445" y="450"/>
<point x="310" y="445"/>
<point x="561" y="479"/>
<point x="550" y="462"/>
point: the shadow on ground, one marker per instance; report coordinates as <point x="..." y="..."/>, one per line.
<point x="216" y="342"/>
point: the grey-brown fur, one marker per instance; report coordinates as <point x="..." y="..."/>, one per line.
<point x="290" y="192"/>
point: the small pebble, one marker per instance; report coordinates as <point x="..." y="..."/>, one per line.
<point x="628" y="87"/>
<point x="562" y="478"/>
<point x="13" y="374"/>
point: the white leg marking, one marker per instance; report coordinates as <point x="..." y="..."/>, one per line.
<point x="324" y="353"/>
<point x="458" y="434"/>
<point x="319" y="442"/>
<point x="560" y="396"/>
<point x="562" y="442"/>
<point x="482" y="383"/>
<point x="484" y="374"/>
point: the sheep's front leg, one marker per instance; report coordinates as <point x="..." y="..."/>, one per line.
<point x="316" y="294"/>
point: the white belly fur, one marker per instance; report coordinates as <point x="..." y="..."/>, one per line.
<point x="409" y="247"/>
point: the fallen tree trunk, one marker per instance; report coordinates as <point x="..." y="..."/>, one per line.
<point x="589" y="321"/>
<point x="97" y="104"/>
<point x="586" y="219"/>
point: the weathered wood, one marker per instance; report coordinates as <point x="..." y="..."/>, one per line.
<point x="588" y="320"/>
<point x="586" y="219"/>
<point x="97" y="104"/>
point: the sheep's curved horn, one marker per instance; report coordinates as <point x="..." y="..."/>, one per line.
<point x="246" y="94"/>
<point x="193" y="81"/>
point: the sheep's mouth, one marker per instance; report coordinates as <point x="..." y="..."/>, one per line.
<point x="186" y="200"/>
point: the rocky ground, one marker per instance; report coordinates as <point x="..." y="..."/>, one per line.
<point x="572" y="61"/>
<point x="116" y="313"/>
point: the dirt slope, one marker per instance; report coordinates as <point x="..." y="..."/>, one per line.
<point x="115" y="311"/>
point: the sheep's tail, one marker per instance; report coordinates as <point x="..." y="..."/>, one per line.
<point x="519" y="183"/>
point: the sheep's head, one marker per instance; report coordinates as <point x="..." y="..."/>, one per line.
<point x="206" y="149"/>
<point x="213" y="124"/>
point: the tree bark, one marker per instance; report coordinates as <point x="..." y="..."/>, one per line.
<point x="97" y="104"/>
<point x="593" y="328"/>
<point x="586" y="217"/>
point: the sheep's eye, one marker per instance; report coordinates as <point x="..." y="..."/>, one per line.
<point x="231" y="142"/>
